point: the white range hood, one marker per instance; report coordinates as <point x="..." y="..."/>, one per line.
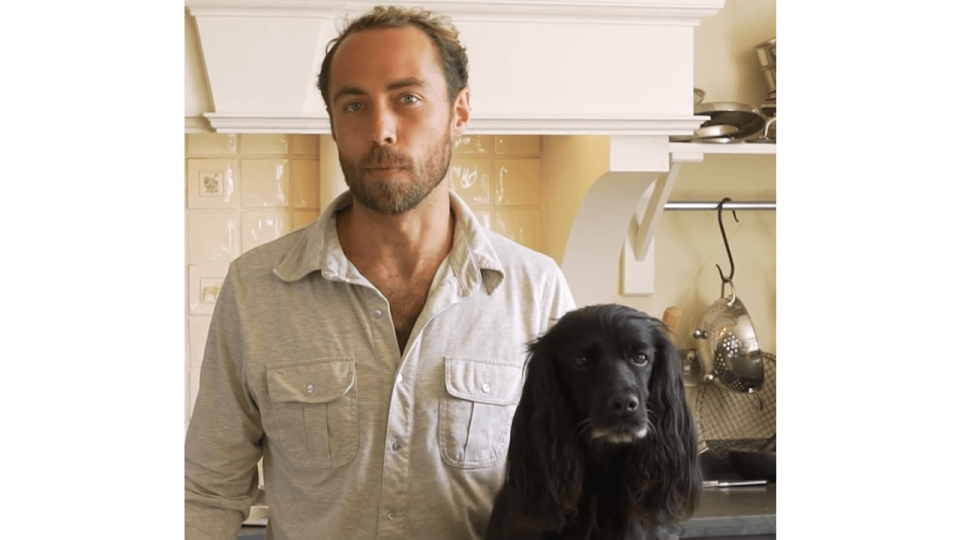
<point x="547" y="67"/>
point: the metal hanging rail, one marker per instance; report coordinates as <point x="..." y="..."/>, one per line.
<point x="706" y="205"/>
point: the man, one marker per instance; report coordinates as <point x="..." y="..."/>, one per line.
<point x="374" y="359"/>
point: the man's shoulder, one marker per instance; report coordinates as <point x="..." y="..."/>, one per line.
<point x="513" y="254"/>
<point x="266" y="256"/>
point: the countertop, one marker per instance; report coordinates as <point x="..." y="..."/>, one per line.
<point x="744" y="511"/>
<point x="734" y="511"/>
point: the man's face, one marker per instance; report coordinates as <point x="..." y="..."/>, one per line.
<point x="391" y="118"/>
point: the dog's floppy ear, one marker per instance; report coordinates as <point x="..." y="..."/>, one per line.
<point x="544" y="470"/>
<point x="672" y="447"/>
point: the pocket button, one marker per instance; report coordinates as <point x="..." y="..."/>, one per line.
<point x="310" y="388"/>
<point x="486" y="387"/>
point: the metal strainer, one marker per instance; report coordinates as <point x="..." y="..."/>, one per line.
<point x="728" y="347"/>
<point x="726" y="341"/>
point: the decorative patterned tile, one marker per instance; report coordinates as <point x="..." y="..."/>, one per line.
<point x="211" y="144"/>
<point x="517" y="145"/>
<point x="470" y="179"/>
<point x="261" y="227"/>
<point x="203" y="286"/>
<point x="518" y="182"/>
<point x="265" y="182"/>
<point x="263" y="144"/>
<point x="212" y="183"/>
<point x="473" y="144"/>
<point x="212" y="237"/>
<point x="304" y="183"/>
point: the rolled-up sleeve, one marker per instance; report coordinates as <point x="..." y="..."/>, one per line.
<point x="223" y="442"/>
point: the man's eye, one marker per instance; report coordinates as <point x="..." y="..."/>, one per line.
<point x="353" y="106"/>
<point x="409" y="98"/>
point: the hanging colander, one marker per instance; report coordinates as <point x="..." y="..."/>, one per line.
<point x="727" y="344"/>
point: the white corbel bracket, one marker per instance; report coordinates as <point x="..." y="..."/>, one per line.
<point x="613" y="229"/>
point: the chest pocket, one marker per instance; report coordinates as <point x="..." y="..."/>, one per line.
<point x="476" y="411"/>
<point x="315" y="411"/>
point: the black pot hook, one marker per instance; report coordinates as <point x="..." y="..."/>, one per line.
<point x="725" y="279"/>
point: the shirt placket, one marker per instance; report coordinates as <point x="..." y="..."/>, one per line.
<point x="394" y="494"/>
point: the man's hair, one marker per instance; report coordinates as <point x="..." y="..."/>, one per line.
<point x="439" y="28"/>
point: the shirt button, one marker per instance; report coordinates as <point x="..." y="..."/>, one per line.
<point x="486" y="387"/>
<point x="310" y="388"/>
<point x="395" y="446"/>
<point x="377" y="314"/>
<point x="399" y="378"/>
<point x="391" y="516"/>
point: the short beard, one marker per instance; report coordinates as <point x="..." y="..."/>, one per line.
<point x="397" y="195"/>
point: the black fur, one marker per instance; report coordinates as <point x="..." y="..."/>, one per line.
<point x="578" y="465"/>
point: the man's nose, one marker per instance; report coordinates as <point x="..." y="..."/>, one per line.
<point x="384" y="126"/>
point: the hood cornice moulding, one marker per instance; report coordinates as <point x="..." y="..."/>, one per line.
<point x="666" y="126"/>
<point x="672" y="12"/>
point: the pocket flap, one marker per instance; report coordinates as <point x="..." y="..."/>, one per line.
<point x="316" y="382"/>
<point x="483" y="381"/>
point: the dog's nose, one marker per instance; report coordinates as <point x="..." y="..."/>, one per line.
<point x="620" y="404"/>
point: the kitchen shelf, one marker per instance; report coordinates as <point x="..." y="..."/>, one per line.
<point x="687" y="152"/>
<point x="718" y="148"/>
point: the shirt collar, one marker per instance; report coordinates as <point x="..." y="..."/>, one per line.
<point x="472" y="259"/>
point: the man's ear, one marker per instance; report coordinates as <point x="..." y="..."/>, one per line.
<point x="461" y="113"/>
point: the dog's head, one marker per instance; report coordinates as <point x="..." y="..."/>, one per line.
<point x="605" y="358"/>
<point x="604" y="376"/>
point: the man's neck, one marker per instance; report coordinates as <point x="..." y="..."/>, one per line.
<point x="405" y="243"/>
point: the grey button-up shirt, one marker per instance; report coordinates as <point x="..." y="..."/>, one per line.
<point x="302" y="367"/>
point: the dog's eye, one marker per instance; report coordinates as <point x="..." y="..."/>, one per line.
<point x="580" y="361"/>
<point x="640" y="359"/>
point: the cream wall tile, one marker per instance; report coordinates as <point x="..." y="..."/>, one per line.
<point x="521" y="225"/>
<point x="212" y="237"/>
<point x="518" y="182"/>
<point x="304" y="183"/>
<point x="261" y="227"/>
<point x="198" y="326"/>
<point x="267" y="144"/>
<point x="305" y="145"/>
<point x="266" y="182"/>
<point x="470" y="179"/>
<point x="212" y="183"/>
<point x="302" y="218"/>
<point x="517" y="145"/>
<point x="211" y="144"/>
<point x="203" y="286"/>
<point x="473" y="144"/>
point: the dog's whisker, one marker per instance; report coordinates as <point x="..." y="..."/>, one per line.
<point x="582" y="427"/>
<point x="651" y="428"/>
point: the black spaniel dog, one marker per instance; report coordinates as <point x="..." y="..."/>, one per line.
<point x="603" y="445"/>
